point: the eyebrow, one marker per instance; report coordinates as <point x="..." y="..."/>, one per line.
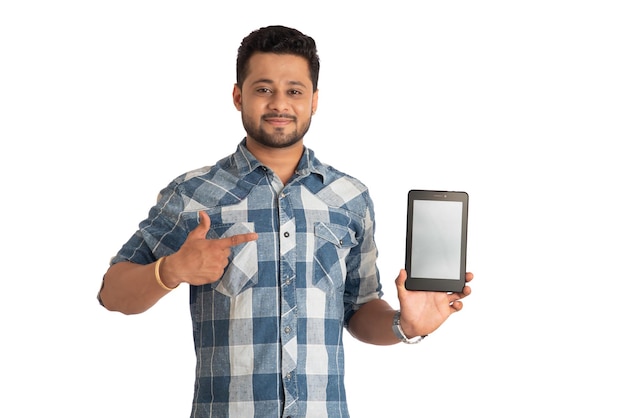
<point x="269" y="81"/>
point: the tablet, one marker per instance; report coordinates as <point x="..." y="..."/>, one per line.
<point x="436" y="240"/>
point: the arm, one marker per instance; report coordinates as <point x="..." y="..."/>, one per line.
<point x="133" y="288"/>
<point x="372" y="323"/>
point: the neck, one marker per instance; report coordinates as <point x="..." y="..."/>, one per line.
<point x="282" y="161"/>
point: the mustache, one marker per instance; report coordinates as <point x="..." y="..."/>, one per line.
<point x="278" y="115"/>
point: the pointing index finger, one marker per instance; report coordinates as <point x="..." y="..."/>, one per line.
<point x="235" y="240"/>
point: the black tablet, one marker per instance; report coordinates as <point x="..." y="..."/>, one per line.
<point x="436" y="240"/>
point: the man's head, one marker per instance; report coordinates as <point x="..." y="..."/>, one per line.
<point x="276" y="89"/>
<point x="278" y="40"/>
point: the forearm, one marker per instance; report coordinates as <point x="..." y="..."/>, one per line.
<point x="372" y="323"/>
<point x="131" y="288"/>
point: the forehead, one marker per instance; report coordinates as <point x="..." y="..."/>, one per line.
<point x="270" y="67"/>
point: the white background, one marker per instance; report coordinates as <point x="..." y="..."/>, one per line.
<point x="519" y="103"/>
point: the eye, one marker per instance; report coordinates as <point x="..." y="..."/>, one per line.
<point x="263" y="90"/>
<point x="294" y="92"/>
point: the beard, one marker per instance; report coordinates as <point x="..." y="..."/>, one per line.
<point x="278" y="138"/>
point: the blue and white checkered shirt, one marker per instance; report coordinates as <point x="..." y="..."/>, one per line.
<point x="268" y="334"/>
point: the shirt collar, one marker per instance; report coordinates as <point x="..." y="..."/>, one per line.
<point x="246" y="163"/>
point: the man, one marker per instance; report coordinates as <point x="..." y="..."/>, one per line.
<point x="278" y="252"/>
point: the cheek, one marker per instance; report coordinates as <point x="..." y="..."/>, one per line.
<point x="304" y="109"/>
<point x="246" y="109"/>
<point x="252" y="105"/>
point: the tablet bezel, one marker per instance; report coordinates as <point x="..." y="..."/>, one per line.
<point x="436" y="284"/>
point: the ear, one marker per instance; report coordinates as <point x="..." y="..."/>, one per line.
<point x="314" y="102"/>
<point x="237" y="97"/>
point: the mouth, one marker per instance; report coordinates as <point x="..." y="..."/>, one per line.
<point x="279" y="120"/>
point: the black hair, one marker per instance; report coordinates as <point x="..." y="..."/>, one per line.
<point x="278" y="40"/>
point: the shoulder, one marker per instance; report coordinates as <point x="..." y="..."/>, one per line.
<point x="192" y="174"/>
<point x="344" y="190"/>
<point x="200" y="187"/>
<point x="186" y="182"/>
<point x="218" y="170"/>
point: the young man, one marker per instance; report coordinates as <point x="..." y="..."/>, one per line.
<point x="278" y="251"/>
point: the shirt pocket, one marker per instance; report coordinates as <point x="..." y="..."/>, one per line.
<point x="241" y="272"/>
<point x="332" y="245"/>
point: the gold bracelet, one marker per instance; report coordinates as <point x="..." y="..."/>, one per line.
<point x="158" y="276"/>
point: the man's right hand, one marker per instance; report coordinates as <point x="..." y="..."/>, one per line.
<point x="200" y="260"/>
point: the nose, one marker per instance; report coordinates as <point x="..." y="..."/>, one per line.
<point x="279" y="102"/>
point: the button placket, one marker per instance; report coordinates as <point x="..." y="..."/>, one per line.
<point x="287" y="243"/>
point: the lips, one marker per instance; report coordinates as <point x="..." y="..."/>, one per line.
<point x="279" y="119"/>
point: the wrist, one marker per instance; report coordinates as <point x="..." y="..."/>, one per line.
<point x="163" y="277"/>
<point x="407" y="328"/>
<point x="400" y="332"/>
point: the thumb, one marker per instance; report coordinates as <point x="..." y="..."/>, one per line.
<point x="401" y="279"/>
<point x="203" y="227"/>
<point x="400" y="282"/>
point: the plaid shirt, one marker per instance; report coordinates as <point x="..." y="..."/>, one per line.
<point x="268" y="334"/>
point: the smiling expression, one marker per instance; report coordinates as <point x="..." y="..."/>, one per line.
<point x="276" y="99"/>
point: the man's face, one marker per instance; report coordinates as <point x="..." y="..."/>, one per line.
<point x="276" y="99"/>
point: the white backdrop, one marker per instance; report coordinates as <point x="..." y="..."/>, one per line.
<point x="521" y="104"/>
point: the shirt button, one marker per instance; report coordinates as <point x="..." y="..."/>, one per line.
<point x="287" y="330"/>
<point x="286" y="234"/>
